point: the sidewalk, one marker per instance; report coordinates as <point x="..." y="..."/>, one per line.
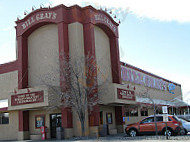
<point x="122" y="138"/>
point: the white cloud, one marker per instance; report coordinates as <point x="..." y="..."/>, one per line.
<point x="163" y="10"/>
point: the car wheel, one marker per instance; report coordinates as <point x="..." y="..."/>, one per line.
<point x="182" y="132"/>
<point x="185" y="132"/>
<point x="169" y="132"/>
<point x="133" y="133"/>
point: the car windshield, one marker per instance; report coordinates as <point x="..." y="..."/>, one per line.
<point x="183" y="120"/>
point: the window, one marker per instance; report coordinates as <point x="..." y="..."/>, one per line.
<point x="131" y="112"/>
<point x="159" y="119"/>
<point x="39" y="121"/>
<point x="148" y="120"/>
<point x="144" y="112"/>
<point x="4" y="118"/>
<point x="158" y="111"/>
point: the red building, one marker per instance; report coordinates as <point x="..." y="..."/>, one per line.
<point x="43" y="36"/>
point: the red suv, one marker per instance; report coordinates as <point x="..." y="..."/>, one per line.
<point x="147" y="126"/>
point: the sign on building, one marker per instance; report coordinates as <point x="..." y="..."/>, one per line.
<point x="126" y="94"/>
<point x="27" y="98"/>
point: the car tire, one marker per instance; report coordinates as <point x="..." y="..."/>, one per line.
<point x="185" y="132"/>
<point x="169" y="132"/>
<point x="132" y="133"/>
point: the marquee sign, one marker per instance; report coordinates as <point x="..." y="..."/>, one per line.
<point x="130" y="75"/>
<point x="27" y="98"/>
<point x="125" y="94"/>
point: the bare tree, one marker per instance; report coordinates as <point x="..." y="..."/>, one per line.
<point x="145" y="94"/>
<point x="80" y="88"/>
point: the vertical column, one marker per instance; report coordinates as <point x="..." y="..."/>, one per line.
<point x="63" y="50"/>
<point x="89" y="49"/>
<point x="67" y="121"/>
<point x="115" y="60"/>
<point x="119" y="114"/>
<point x="22" y="62"/>
<point x="23" y="125"/>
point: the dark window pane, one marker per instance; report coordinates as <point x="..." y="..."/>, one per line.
<point x="148" y="120"/>
<point x="127" y="113"/>
<point x="101" y="117"/>
<point x="4" y="118"/>
<point x="159" y="119"/>
<point x="144" y="112"/>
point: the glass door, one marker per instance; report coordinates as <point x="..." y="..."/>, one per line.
<point x="55" y="121"/>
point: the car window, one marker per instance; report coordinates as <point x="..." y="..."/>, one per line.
<point x="169" y="119"/>
<point x="159" y="119"/>
<point x="176" y="118"/>
<point x="148" y="120"/>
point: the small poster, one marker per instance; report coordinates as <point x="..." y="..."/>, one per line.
<point x="40" y="121"/>
<point x="109" y="118"/>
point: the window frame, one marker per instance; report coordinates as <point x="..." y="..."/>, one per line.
<point x="144" y="111"/>
<point x="2" y="116"/>
<point x="128" y="112"/>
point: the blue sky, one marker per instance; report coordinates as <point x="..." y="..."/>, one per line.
<point x="153" y="35"/>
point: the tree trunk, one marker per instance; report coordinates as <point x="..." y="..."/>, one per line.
<point x="82" y="127"/>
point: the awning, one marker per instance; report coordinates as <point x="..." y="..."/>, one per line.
<point x="180" y="103"/>
<point x="175" y="102"/>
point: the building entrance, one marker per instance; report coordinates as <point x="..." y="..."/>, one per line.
<point x="55" y="121"/>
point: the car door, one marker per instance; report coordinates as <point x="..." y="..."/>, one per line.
<point x="186" y="125"/>
<point x="147" y="125"/>
<point x="160" y="123"/>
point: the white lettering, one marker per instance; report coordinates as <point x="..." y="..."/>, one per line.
<point x="54" y="16"/>
<point x="104" y="19"/>
<point x="23" y="26"/>
<point x="137" y="77"/>
<point x="39" y="16"/>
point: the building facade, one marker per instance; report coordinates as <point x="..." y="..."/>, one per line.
<point x="43" y="36"/>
